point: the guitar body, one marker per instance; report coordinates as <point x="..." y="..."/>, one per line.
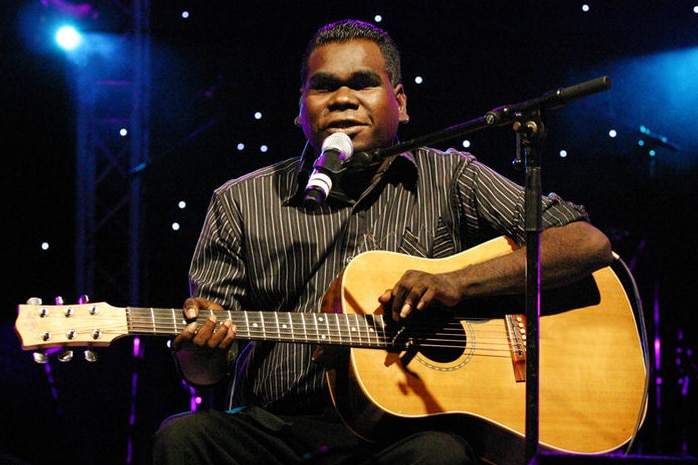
<point x="592" y="378"/>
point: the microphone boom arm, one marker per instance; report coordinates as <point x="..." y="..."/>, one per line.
<point x="497" y="117"/>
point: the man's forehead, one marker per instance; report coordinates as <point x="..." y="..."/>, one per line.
<point x="346" y="58"/>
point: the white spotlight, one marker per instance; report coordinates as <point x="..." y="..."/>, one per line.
<point x="68" y="38"/>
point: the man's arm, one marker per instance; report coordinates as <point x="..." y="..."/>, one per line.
<point x="568" y="253"/>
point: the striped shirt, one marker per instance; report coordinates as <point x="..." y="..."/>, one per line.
<point x="261" y="250"/>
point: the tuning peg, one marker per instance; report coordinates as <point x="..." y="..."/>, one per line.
<point x="40" y="357"/>
<point x="84" y="299"/>
<point x="34" y="301"/>
<point x="90" y="355"/>
<point x="65" y="355"/>
<point x="58" y="300"/>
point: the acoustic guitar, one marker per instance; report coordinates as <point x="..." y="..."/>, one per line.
<point x="463" y="365"/>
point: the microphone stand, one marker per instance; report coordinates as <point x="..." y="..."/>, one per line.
<point x="530" y="132"/>
<point x="527" y="120"/>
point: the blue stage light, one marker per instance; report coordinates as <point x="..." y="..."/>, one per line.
<point x="68" y="38"/>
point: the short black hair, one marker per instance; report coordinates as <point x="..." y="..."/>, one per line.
<point x="351" y="29"/>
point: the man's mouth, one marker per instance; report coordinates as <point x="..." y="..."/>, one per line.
<point x="344" y="124"/>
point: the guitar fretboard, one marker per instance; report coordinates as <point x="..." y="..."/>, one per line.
<point x="367" y="331"/>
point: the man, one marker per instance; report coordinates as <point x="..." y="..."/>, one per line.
<point x="260" y="248"/>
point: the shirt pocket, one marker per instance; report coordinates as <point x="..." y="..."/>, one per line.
<point x="436" y="243"/>
<point x="410" y="245"/>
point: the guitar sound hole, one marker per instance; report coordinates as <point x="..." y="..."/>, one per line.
<point x="447" y="345"/>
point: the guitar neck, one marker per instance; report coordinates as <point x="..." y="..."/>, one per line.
<point x="364" y="331"/>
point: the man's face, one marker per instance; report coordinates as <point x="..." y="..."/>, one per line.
<point x="348" y="90"/>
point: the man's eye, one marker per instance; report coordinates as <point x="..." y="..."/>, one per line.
<point x="326" y="87"/>
<point x="358" y="82"/>
<point x="364" y="82"/>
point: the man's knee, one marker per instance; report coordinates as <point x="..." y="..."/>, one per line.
<point x="179" y="433"/>
<point x="439" y="448"/>
<point x="171" y="434"/>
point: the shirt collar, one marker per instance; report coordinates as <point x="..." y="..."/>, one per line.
<point x="305" y="166"/>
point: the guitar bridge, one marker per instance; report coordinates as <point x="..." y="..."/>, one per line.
<point x="516" y="335"/>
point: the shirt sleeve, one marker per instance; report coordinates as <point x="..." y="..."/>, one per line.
<point x="217" y="270"/>
<point x="493" y="204"/>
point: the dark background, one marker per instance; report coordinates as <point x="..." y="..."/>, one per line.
<point x="210" y="73"/>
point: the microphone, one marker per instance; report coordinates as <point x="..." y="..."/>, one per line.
<point x="327" y="169"/>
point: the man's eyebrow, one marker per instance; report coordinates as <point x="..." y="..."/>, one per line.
<point x="362" y="77"/>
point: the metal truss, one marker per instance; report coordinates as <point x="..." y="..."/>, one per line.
<point x="112" y="129"/>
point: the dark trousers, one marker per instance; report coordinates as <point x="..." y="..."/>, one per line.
<point x="254" y="436"/>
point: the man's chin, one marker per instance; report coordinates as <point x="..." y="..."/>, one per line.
<point x="359" y="139"/>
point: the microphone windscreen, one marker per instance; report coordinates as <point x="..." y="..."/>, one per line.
<point x="340" y="142"/>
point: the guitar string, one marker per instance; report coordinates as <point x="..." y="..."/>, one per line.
<point x="493" y="345"/>
<point x="368" y="328"/>
<point x="373" y="340"/>
<point x="482" y="346"/>
<point x="343" y="332"/>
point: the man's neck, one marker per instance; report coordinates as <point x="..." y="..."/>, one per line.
<point x="354" y="184"/>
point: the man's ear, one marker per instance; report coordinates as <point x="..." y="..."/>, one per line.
<point x="297" y="120"/>
<point x="401" y="98"/>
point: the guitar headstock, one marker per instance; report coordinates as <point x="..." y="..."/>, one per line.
<point x="42" y="327"/>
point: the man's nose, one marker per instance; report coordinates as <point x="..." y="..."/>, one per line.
<point x="342" y="97"/>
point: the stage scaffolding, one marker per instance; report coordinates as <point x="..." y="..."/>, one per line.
<point x="112" y="133"/>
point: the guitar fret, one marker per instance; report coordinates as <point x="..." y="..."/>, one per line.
<point x="278" y="329"/>
<point x="318" y="322"/>
<point x="360" y="326"/>
<point x="247" y="326"/>
<point x="327" y="324"/>
<point x="339" y="329"/>
<point x="383" y="341"/>
<point x="336" y="323"/>
<point x="350" y="329"/>
<point x="317" y="330"/>
<point x="368" y="329"/>
<point x="357" y="328"/>
<point x="305" y="330"/>
<point x="264" y="326"/>
<point x="362" y="330"/>
<point x="290" y="325"/>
